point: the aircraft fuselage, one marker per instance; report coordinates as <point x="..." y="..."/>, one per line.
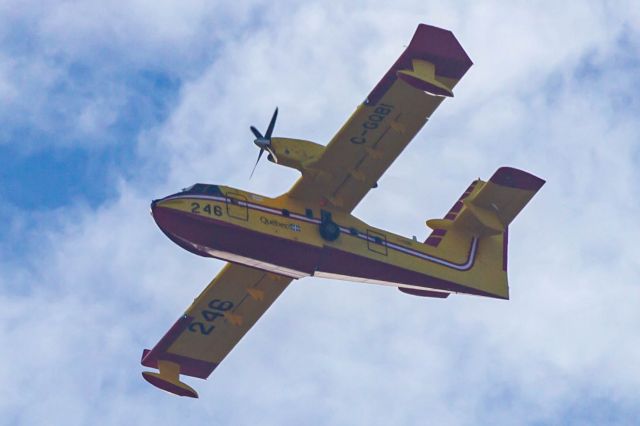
<point x="284" y="236"/>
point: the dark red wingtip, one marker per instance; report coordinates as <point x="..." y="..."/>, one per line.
<point x="165" y="385"/>
<point x="188" y="366"/>
<point x="440" y="47"/>
<point x="431" y="44"/>
<point x="515" y="178"/>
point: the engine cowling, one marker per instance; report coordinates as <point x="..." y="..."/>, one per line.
<point x="295" y="153"/>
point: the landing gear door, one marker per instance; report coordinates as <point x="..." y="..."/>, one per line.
<point x="236" y="206"/>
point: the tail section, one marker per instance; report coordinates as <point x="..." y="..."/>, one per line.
<point x="484" y="211"/>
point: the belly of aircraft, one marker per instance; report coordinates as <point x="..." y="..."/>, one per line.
<point x="222" y="240"/>
<point x="213" y="238"/>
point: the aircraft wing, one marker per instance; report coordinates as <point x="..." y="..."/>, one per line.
<point x="215" y="322"/>
<point x="384" y="124"/>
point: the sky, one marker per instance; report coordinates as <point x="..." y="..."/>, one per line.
<point x="105" y="106"/>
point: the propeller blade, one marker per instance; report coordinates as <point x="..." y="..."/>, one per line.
<point x="257" y="161"/>
<point x="256" y="132"/>
<point x="272" y="123"/>
<point x="264" y="142"/>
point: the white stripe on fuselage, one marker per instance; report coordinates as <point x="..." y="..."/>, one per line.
<point x="278" y="212"/>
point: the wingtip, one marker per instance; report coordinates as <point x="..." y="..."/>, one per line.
<point x="175" y="387"/>
<point x="442" y="48"/>
<point x="516" y="178"/>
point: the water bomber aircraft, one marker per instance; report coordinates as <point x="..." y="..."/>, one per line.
<point x="310" y="231"/>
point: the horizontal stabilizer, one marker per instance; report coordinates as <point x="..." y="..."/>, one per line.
<point x="483" y="221"/>
<point x="487" y="208"/>
<point x="497" y="202"/>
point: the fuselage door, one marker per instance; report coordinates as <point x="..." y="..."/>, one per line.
<point x="236" y="206"/>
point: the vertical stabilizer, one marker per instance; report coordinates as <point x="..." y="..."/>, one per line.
<point x="484" y="212"/>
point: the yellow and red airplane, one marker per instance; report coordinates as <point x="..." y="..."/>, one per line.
<point x="309" y="231"/>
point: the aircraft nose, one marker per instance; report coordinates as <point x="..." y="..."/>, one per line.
<point x="153" y="206"/>
<point x="181" y="227"/>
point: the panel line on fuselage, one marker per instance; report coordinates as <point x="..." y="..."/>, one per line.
<point x="465" y="266"/>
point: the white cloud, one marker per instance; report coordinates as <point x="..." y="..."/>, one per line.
<point x="102" y="283"/>
<point x="69" y="70"/>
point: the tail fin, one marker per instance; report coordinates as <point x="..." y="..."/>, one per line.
<point x="484" y="211"/>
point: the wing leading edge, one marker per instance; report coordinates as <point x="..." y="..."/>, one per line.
<point x="384" y="124"/>
<point x="215" y="322"/>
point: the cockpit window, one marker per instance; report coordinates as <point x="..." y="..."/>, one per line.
<point x="212" y="190"/>
<point x="200" y="188"/>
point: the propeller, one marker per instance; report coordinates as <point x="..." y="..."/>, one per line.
<point x="264" y="142"/>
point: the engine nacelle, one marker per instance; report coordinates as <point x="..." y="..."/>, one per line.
<point x="295" y="153"/>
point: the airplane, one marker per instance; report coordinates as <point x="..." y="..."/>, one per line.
<point x="310" y="231"/>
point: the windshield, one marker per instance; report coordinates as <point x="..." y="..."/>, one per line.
<point x="201" y="188"/>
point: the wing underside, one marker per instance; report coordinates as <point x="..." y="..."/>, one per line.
<point x="384" y="124"/>
<point x="215" y="322"/>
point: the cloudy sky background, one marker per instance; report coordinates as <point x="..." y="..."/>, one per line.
<point x="105" y="106"/>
